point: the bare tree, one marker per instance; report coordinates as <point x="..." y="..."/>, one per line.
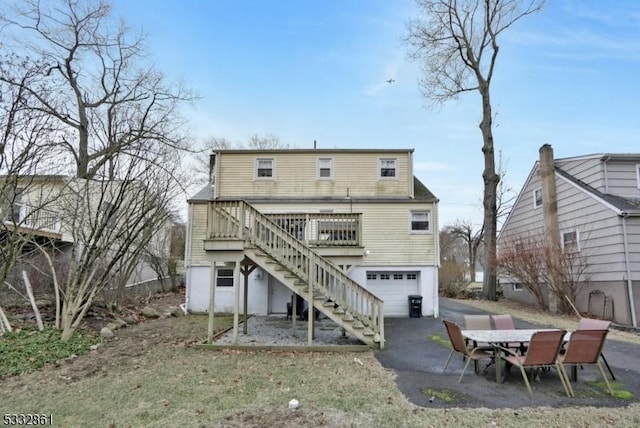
<point x="457" y="43"/>
<point x="112" y="222"/>
<point x="523" y="259"/>
<point x="472" y="238"/>
<point x="266" y="142"/>
<point x="116" y="118"/>
<point x="110" y="102"/>
<point x="533" y="263"/>
<point x="25" y="133"/>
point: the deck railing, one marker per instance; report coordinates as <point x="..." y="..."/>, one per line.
<point x="239" y="220"/>
<point x="33" y="217"/>
<point x="321" y="229"/>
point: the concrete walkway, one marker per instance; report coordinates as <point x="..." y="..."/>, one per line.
<point x="417" y="348"/>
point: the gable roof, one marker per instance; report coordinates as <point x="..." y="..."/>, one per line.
<point x="622" y="206"/>
<point x="421" y="193"/>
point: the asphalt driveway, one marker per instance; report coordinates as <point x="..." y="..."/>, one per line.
<point x="417" y="349"/>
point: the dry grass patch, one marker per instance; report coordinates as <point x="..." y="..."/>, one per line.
<point x="152" y="376"/>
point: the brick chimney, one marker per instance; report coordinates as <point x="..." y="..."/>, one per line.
<point x="550" y="210"/>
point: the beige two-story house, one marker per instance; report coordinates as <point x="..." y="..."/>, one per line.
<point x="351" y="231"/>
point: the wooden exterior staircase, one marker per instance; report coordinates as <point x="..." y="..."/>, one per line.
<point x="323" y="285"/>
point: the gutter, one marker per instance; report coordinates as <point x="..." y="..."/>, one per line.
<point x="632" y="304"/>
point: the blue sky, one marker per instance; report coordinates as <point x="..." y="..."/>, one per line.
<point x="317" y="70"/>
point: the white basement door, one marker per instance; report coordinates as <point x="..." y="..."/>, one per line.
<point x="393" y="288"/>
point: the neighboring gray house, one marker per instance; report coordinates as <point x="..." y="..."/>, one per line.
<point x="598" y="214"/>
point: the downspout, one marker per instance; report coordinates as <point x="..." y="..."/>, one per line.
<point x="187" y="256"/>
<point x="436" y="280"/>
<point x="410" y="177"/>
<point x="632" y="304"/>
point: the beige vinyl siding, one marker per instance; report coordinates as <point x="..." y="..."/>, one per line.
<point x="386" y="233"/>
<point x="198" y="233"/>
<point x="385" y="230"/>
<point x="295" y="175"/>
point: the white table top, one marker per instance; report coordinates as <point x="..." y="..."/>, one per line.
<point x="503" y="336"/>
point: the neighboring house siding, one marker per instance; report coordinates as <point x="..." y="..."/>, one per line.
<point x="196" y="255"/>
<point x="295" y="175"/>
<point x="598" y="218"/>
<point x="588" y="170"/>
<point x="633" y="239"/>
<point x="524" y="218"/>
<point x="599" y="231"/>
<point x="622" y="179"/>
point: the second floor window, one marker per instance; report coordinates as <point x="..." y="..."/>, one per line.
<point x="388" y="168"/>
<point x="420" y="221"/>
<point x="264" y="168"/>
<point x="325" y="168"/>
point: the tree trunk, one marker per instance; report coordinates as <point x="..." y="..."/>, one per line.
<point x="67" y="327"/>
<point x="32" y="300"/>
<point x="491" y="180"/>
<point x="472" y="262"/>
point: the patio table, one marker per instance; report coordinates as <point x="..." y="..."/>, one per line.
<point x="500" y="338"/>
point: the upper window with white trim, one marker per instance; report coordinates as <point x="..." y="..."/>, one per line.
<point x="388" y="168"/>
<point x="325" y="168"/>
<point x="420" y="221"/>
<point x="264" y="168"/>
<point x="638" y="175"/>
<point x="537" y="198"/>
<point x="571" y="241"/>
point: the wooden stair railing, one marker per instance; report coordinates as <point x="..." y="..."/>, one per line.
<point x="240" y="220"/>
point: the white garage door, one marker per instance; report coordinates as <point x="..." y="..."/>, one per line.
<point x="393" y="288"/>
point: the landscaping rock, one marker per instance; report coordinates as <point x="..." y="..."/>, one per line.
<point x="120" y="323"/>
<point x="106" y="333"/>
<point x="149" y="312"/>
<point x="176" y="311"/>
<point x="130" y="320"/>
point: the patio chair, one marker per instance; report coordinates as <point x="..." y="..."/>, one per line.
<point x="584" y="348"/>
<point x="477" y="322"/>
<point x="595" y="324"/>
<point x="542" y="352"/>
<point x="458" y="345"/>
<point x="505" y="322"/>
